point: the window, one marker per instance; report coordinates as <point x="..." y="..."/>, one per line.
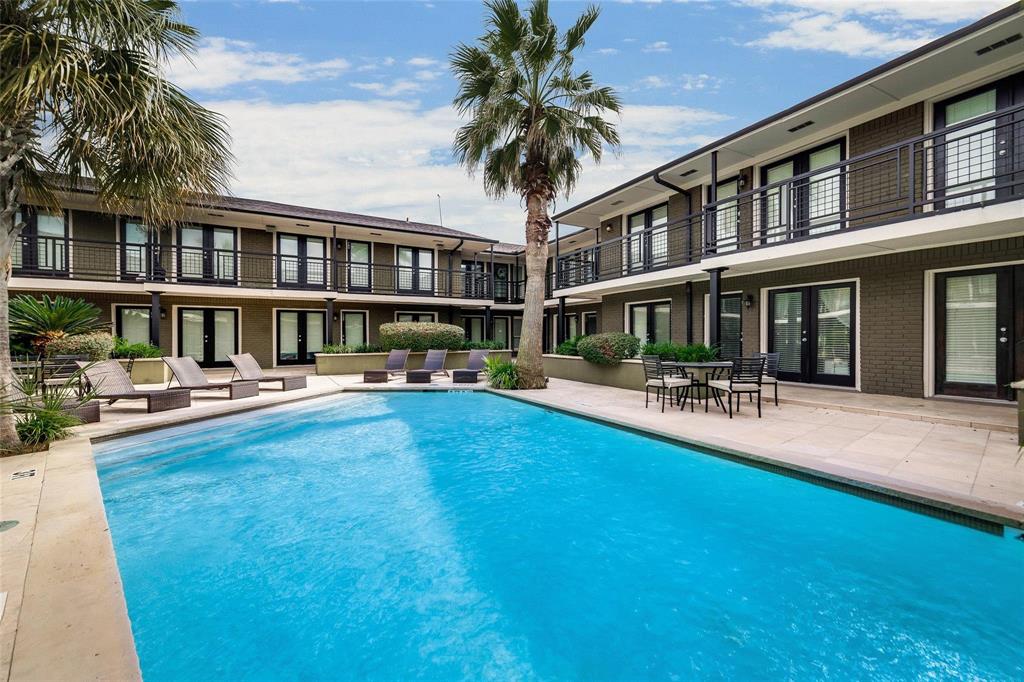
<point x="813" y="205"/>
<point x="415" y="269"/>
<point x="301" y="260"/>
<point x="474" y="279"/>
<point x="474" y="327"/>
<point x="501" y="330"/>
<point x="730" y="326"/>
<point x="353" y="327"/>
<point x="359" y="266"/>
<point x="44" y="243"/>
<point x="726" y="216"/>
<point x="650" y="322"/>
<point x="136" y="249"/>
<point x="207" y="253"/>
<point x="131" y="323"/>
<point x="589" y="323"/>
<point x="646" y="243"/>
<point x="415" y="317"/>
<point x="572" y="326"/>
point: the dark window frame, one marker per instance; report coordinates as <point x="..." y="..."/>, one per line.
<point x="416" y="268"/>
<point x="208" y="344"/>
<point x="799" y="211"/>
<point x="302" y="330"/>
<point x="650" y="305"/>
<point x="366" y="326"/>
<point x="368" y="265"/>
<point x="209" y="275"/>
<point x="414" y="313"/>
<point x="119" y="324"/>
<point x="302" y="258"/>
<point x="646" y="247"/>
<point x="29" y="240"/>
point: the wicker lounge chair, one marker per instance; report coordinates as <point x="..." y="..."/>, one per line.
<point x="396" y="361"/>
<point x="746" y="377"/>
<point x="435" y="362"/>
<point x="191" y="376"/>
<point x="248" y="369"/>
<point x="474" y="365"/>
<point x="666" y="385"/>
<point x="110" y="382"/>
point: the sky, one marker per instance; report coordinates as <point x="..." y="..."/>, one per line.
<point x="347" y="105"/>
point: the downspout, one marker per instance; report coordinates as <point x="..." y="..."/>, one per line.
<point x="450" y="273"/>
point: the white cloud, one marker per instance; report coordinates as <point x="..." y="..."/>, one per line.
<point x="686" y="81"/>
<point x="826" y="32"/>
<point x="428" y="75"/>
<point x="422" y="61"/>
<point x="607" y="51"/>
<point x="392" y="158"/>
<point x="654" y="82"/>
<point x="373" y="64"/>
<point x="221" y="62"/>
<point x="657" y="46"/>
<point x="938" y="11"/>
<point x="397" y="87"/>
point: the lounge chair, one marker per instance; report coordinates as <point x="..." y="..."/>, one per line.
<point x="110" y="382"/>
<point x="666" y="386"/>
<point x="474" y="365"/>
<point x="191" y="376"/>
<point x="771" y="372"/>
<point x="435" y="362"/>
<point x="396" y="361"/>
<point x="746" y="377"/>
<point x="248" y="369"/>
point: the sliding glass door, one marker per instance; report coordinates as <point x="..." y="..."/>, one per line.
<point x="813" y="330"/>
<point x="208" y="335"/>
<point x="979" y="323"/>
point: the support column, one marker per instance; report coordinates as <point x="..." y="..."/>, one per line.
<point x="154" y="320"/>
<point x="689" y="313"/>
<point x="329" y="305"/>
<point x="560" y="330"/>
<point x="556" y="284"/>
<point x="488" y="332"/>
<point x="714" y="306"/>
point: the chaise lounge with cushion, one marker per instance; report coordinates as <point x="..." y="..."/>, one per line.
<point x="109" y="381"/>
<point x="248" y="369"/>
<point x="474" y="365"/>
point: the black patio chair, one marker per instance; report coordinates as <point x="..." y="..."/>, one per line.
<point x="666" y="386"/>
<point x="746" y="377"/>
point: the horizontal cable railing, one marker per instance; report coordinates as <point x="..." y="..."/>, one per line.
<point x="83" y="259"/>
<point x="976" y="162"/>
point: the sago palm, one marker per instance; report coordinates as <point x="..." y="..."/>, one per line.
<point x="82" y="93"/>
<point x="531" y="115"/>
<point x="46" y="319"/>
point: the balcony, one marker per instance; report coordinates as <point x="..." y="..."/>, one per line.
<point x="976" y="163"/>
<point x="102" y="261"/>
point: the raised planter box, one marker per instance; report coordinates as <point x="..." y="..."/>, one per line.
<point x="357" y="363"/>
<point x="627" y="374"/>
<point x="1018" y="388"/>
<point x="149" y="371"/>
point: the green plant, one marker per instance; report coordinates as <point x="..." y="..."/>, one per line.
<point x="609" y="348"/>
<point x="41" y="419"/>
<point x="502" y="373"/>
<point x="530" y="114"/>
<point x="697" y="352"/>
<point x="97" y="345"/>
<point x="483" y="345"/>
<point x="333" y="348"/>
<point x="123" y="349"/>
<point x="358" y="348"/>
<point x="47" y="319"/>
<point x="569" y="346"/>
<point x="421" y="336"/>
<point x="666" y="350"/>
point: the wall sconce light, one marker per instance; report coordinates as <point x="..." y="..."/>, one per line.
<point x="748" y="301"/>
<point x="335" y="317"/>
<point x="608" y="227"/>
<point x="163" y="313"/>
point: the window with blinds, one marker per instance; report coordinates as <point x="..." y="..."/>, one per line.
<point x="834" y="332"/>
<point x="787" y="313"/>
<point x="971" y="328"/>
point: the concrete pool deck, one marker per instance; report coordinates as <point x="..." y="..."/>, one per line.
<point x="64" y="615"/>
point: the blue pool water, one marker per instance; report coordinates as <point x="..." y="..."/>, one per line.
<point x="468" y="536"/>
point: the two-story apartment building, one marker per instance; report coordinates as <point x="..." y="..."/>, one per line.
<point x="873" y="235"/>
<point x="276" y="280"/>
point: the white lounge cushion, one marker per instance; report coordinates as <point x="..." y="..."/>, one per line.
<point x="766" y="379"/>
<point x="723" y="384"/>
<point x="669" y="382"/>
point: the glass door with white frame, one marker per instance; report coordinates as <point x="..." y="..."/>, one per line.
<point x="501" y="330"/>
<point x="415" y="270"/>
<point x="353" y="327"/>
<point x="207" y="253"/>
<point x="359" y="266"/>
<point x="208" y="335"/>
<point x="300" y="336"/>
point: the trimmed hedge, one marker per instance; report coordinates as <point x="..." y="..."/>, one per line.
<point x="610" y="348"/>
<point x="421" y="336"/>
<point x="97" y="345"/>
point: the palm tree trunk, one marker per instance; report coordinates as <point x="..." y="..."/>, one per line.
<point x="531" y="349"/>
<point x="13" y="142"/>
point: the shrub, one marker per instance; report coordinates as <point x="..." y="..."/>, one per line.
<point x="483" y="345"/>
<point x="97" y="345"/>
<point x="358" y="348"/>
<point x="697" y="352"/>
<point x="569" y="346"/>
<point x="123" y="349"/>
<point x="44" y="426"/>
<point x="333" y="348"/>
<point x="609" y="348"/>
<point x="44" y="320"/>
<point x="501" y="373"/>
<point x="421" y="336"/>
<point x="42" y="418"/>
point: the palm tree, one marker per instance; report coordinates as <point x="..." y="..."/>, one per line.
<point x="82" y="93"/>
<point x="530" y="116"/>
<point x="47" y="319"/>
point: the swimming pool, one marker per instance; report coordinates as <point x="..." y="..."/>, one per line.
<point x="452" y="536"/>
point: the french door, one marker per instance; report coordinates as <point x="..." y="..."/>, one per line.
<point x="208" y="335"/>
<point x="300" y="336"/>
<point x="301" y="261"/>
<point x="501" y="281"/>
<point x="359" y="266"/>
<point x="979" y="329"/>
<point x="812" y="328"/>
<point x="647" y="242"/>
<point x="207" y="254"/>
<point x="730" y="326"/>
<point x="44" y="244"/>
<point x="139" y="252"/>
<point x="415" y="270"/>
<point x="474" y="280"/>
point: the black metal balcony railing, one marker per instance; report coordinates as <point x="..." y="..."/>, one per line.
<point x="974" y="163"/>
<point x="83" y="259"/>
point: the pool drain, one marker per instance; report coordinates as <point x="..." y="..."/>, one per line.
<point x="28" y="473"/>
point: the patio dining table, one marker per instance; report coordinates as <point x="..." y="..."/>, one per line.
<point x="702" y="374"/>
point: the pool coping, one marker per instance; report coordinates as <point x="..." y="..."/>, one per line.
<point x="72" y="591"/>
